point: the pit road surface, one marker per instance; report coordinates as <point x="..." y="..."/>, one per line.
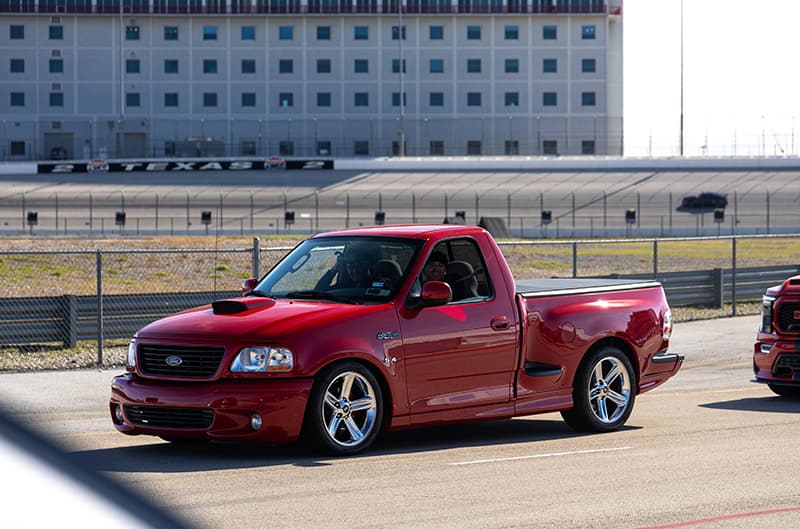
<point x="707" y="449"/>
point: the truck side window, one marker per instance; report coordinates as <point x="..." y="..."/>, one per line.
<point x="466" y="271"/>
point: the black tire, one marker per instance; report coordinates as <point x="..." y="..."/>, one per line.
<point x="345" y="410"/>
<point x="603" y="392"/>
<point x="790" y="392"/>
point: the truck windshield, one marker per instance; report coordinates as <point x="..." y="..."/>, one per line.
<point x="342" y="270"/>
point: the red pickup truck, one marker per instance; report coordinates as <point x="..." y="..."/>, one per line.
<point x="776" y="355"/>
<point x="347" y="336"/>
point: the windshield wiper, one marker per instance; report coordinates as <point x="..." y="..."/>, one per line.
<point x="319" y="294"/>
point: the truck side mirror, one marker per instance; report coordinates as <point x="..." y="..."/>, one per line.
<point x="432" y="294"/>
<point x="248" y="286"/>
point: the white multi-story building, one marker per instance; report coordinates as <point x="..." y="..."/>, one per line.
<point x="155" y="78"/>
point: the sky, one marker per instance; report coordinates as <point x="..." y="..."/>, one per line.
<point x="741" y="77"/>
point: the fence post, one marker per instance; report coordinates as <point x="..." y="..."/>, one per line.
<point x="574" y="259"/>
<point x="718" y="288"/>
<point x="256" y="257"/>
<point x="71" y="323"/>
<point x="655" y="258"/>
<point x="99" y="272"/>
<point x="733" y="276"/>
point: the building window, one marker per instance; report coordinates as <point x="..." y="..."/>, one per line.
<point x="209" y="66"/>
<point x="361" y="148"/>
<point x="248" y="99"/>
<point x="16" y="32"/>
<point x="209" y="99"/>
<point x="56" y="32"/>
<point x="248" y="33"/>
<point x="17" y="66"/>
<point x="171" y="99"/>
<point x="132" y="66"/>
<point x="131" y="32"/>
<point x="361" y="33"/>
<point x="286" y="99"/>
<point x="511" y="147"/>
<point x="56" y="99"/>
<point x="361" y="99"/>
<point x="323" y="99"/>
<point x="361" y="66"/>
<point x="323" y="148"/>
<point x="474" y="99"/>
<point x="588" y="65"/>
<point x="550" y="147"/>
<point x="474" y="148"/>
<point x="588" y="99"/>
<point x="133" y="99"/>
<point x="436" y="147"/>
<point x="286" y="66"/>
<point x="170" y="32"/>
<point x="396" y="66"/>
<point x="286" y="148"/>
<point x="549" y="65"/>
<point x="323" y="33"/>
<point x="588" y="32"/>
<point x="473" y="33"/>
<point x="436" y="33"/>
<point x="587" y="147"/>
<point x="550" y="32"/>
<point x="170" y="65"/>
<point x="512" y="99"/>
<point x="17" y="99"/>
<point x="323" y="66"/>
<point x="512" y="66"/>
<point x="397" y="31"/>
<point x="473" y="66"/>
<point x="436" y="99"/>
<point x="549" y="99"/>
<point x="512" y="32"/>
<point x="209" y="32"/>
<point x="248" y="66"/>
<point x="396" y="99"/>
<point x="286" y="33"/>
<point x="17" y="148"/>
<point x="436" y="66"/>
<point x="56" y="65"/>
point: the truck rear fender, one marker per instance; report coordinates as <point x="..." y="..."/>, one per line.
<point x="622" y="345"/>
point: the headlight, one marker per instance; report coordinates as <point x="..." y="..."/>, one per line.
<point x="766" y="314"/>
<point x="262" y="360"/>
<point x="666" y="331"/>
<point x="131" y="362"/>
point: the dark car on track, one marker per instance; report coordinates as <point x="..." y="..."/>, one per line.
<point x="706" y="200"/>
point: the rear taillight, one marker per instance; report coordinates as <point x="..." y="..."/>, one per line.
<point x="666" y="330"/>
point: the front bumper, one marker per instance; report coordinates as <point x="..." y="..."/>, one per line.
<point x="776" y="363"/>
<point x="214" y="410"/>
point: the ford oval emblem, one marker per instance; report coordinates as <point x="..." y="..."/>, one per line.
<point x="174" y="360"/>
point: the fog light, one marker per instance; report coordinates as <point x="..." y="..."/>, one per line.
<point x="255" y="421"/>
<point x="118" y="414"/>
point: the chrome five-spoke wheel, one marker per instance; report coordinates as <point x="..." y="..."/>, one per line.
<point x="603" y="392"/>
<point x="345" y="409"/>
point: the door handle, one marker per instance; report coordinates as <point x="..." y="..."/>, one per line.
<point x="500" y="323"/>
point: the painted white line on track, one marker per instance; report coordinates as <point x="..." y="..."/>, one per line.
<point x="540" y="456"/>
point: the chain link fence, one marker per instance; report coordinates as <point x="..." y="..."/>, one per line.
<point x="94" y="300"/>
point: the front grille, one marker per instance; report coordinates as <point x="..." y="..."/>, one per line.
<point x="786" y="365"/>
<point x="786" y="319"/>
<point x="195" y="362"/>
<point x="196" y="418"/>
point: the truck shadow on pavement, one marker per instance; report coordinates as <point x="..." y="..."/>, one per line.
<point x="170" y="457"/>
<point x="764" y="404"/>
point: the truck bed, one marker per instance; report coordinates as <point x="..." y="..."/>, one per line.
<point x="533" y="288"/>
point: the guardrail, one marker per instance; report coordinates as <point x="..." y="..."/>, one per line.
<point x="68" y="319"/>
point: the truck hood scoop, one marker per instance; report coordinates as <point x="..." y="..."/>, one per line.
<point x="236" y="306"/>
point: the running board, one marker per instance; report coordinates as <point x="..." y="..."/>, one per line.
<point x="536" y="369"/>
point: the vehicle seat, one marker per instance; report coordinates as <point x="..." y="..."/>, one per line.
<point x="388" y="271"/>
<point x="461" y="278"/>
